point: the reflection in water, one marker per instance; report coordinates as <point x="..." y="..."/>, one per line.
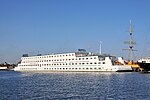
<point x="74" y="85"/>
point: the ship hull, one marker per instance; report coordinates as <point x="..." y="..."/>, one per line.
<point x="116" y="68"/>
<point x="145" y="66"/>
<point x="3" y="68"/>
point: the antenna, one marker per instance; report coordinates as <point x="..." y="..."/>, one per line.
<point x="100" y="48"/>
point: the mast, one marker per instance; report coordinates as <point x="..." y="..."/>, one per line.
<point x="131" y="43"/>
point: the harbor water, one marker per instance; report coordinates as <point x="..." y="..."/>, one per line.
<point x="74" y="86"/>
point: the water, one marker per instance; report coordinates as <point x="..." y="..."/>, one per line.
<point x="74" y="86"/>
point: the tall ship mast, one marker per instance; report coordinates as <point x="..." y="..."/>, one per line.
<point x="130" y="42"/>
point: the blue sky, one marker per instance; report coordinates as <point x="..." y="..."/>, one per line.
<point x="53" y="26"/>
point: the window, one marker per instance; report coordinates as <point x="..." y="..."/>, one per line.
<point x="103" y="62"/>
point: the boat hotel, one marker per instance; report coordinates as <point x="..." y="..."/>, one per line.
<point x="80" y="61"/>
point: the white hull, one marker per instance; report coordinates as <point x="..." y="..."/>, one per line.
<point x="77" y="69"/>
<point x="3" y="68"/>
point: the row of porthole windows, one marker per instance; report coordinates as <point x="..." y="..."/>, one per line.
<point x="59" y="60"/>
<point x="71" y="68"/>
<point x="28" y="68"/>
<point x="50" y="56"/>
<point x="63" y="68"/>
<point x="56" y="64"/>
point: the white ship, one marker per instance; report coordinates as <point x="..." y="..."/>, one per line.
<point x="80" y="61"/>
<point x="3" y="68"/>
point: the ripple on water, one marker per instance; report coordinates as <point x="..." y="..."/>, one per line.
<point x="76" y="86"/>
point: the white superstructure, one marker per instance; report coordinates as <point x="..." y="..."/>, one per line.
<point x="144" y="60"/>
<point x="78" y="61"/>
